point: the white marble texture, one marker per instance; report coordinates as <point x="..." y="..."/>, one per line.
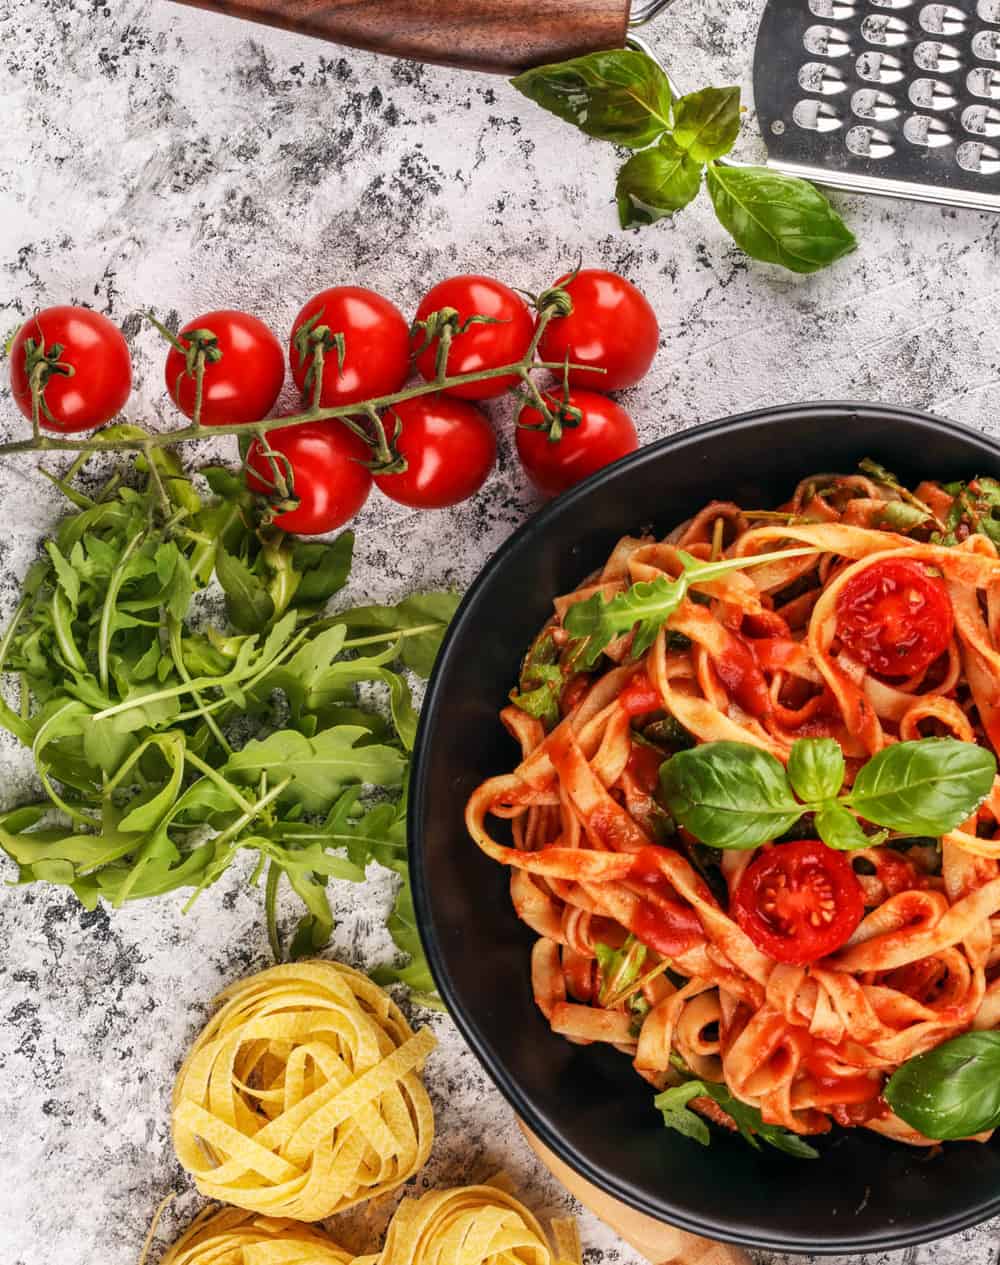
<point x="154" y="155"/>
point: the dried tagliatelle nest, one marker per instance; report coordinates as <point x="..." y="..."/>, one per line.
<point x="232" y="1236"/>
<point x="301" y="1096"/>
<point x="473" y="1225"/>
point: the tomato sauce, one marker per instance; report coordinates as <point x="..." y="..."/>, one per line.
<point x="740" y="673"/>
<point x="640" y="696"/>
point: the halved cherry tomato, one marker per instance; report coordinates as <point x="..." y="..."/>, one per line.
<point x="895" y="617"/>
<point x="503" y="340"/>
<point x="449" y="449"/>
<point x="799" y="901"/>
<point x="328" y="478"/>
<point x="81" y="362"/>
<point x="611" y="327"/>
<point x="376" y="345"/>
<point x="640" y="696"/>
<point x="244" y="369"/>
<point x="605" y="432"/>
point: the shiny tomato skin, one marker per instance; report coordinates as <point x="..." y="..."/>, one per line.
<point x="376" y="345"/>
<point x="481" y="346"/>
<point x="449" y="447"/>
<point x="612" y="327"/>
<point x="895" y="617"/>
<point x="95" y="348"/>
<point x="330" y="482"/>
<point x="240" y="387"/>
<point x="605" y="433"/>
<point x="784" y="886"/>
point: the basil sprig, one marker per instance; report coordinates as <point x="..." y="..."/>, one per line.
<point x="624" y="96"/>
<point x="673" y="1103"/>
<point x="734" y="795"/>
<point x="647" y="605"/>
<point x="951" y="1092"/>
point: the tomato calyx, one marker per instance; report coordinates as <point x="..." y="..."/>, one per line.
<point x="40" y="365"/>
<point x="313" y="341"/>
<point x="442" y="326"/>
<point x="557" y="416"/>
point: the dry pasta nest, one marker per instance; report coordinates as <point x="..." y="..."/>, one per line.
<point x="230" y="1236"/>
<point x="301" y="1096"/>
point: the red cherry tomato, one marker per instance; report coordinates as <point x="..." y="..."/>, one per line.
<point x="799" y="901"/>
<point x="376" y="345"/>
<point x="449" y="448"/>
<point x="82" y="364"/>
<point x="329" y="481"/>
<point x="504" y="341"/>
<point x="612" y="327"/>
<point x="244" y="369"/>
<point x="605" y="433"/>
<point x="895" y="617"/>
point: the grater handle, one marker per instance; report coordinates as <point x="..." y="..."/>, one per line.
<point x="503" y="36"/>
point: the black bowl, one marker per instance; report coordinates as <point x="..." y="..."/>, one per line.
<point x="586" y="1103"/>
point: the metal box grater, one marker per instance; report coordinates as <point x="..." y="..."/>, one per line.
<point x="898" y="97"/>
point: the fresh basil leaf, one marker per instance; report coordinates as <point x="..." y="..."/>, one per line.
<point x="621" y="95"/>
<point x="707" y="123"/>
<point x="673" y="1104"/>
<point x="816" y="768"/>
<point x="656" y="182"/>
<point x="950" y="1092"/>
<point x="778" y="219"/>
<point x="248" y="603"/>
<point x="926" y="787"/>
<point x="840" y="829"/>
<point x="729" y="794"/>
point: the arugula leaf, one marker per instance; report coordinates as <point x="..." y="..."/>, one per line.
<point x="248" y="604"/>
<point x="707" y="123"/>
<point x="420" y="620"/>
<point x="620" y="968"/>
<point x="647" y="605"/>
<point x="673" y="1103"/>
<point x="621" y="96"/>
<point x="778" y="219"/>
<point x="656" y="182"/>
<point x="323" y="568"/>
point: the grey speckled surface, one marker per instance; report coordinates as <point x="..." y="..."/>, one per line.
<point x="155" y="155"/>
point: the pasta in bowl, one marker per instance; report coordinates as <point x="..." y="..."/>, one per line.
<point x="582" y="1096"/>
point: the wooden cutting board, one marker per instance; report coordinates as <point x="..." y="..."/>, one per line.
<point x="660" y="1244"/>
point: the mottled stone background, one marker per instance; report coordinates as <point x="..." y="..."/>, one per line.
<point x="152" y="155"/>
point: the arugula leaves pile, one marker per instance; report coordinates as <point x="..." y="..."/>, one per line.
<point x="167" y="745"/>
<point x="673" y="1104"/>
<point x="624" y="96"/>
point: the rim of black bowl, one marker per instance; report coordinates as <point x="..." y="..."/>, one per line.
<point x="537" y="524"/>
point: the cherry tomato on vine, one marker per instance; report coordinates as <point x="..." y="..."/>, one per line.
<point x="376" y="345"/>
<point x="328" y="478"/>
<point x="81" y="363"/>
<point x="503" y="340"/>
<point x="799" y="901"/>
<point x="244" y="368"/>
<point x="603" y="434"/>
<point x="612" y="327"/>
<point x="895" y="617"/>
<point x="449" y="449"/>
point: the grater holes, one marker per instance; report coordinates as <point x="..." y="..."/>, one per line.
<point x="982" y="82"/>
<point x="879" y="68"/>
<point x="816" y="116"/>
<point x="988" y="10"/>
<point x="937" y="56"/>
<point x="869" y="103"/>
<point x="817" y="76"/>
<point x="942" y="19"/>
<point x="986" y="45"/>
<point x="932" y="94"/>
<point x="835" y="10"/>
<point x="879" y="28"/>
<point x="981" y="120"/>
<point x="826" y="41"/>
<point x="924" y="129"/>
<point x="869" y="142"/>
<point x="982" y="159"/>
